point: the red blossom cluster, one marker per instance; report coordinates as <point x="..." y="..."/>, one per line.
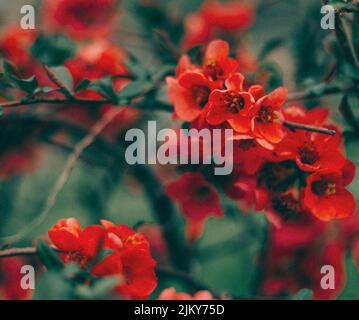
<point x="80" y="18"/>
<point x="83" y="21"/>
<point x="129" y="257"/>
<point x="298" y="251"/>
<point x="283" y="171"/>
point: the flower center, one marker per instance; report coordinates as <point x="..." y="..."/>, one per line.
<point x="76" y="256"/>
<point x="276" y="176"/>
<point x="285" y="205"/>
<point x="200" y="95"/>
<point x="247" y="144"/>
<point x="308" y="154"/>
<point x="233" y="101"/>
<point x="266" y="114"/>
<point x="323" y="187"/>
<point x="212" y="69"/>
<point x="202" y="192"/>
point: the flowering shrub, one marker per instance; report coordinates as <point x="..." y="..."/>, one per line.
<point x="93" y="72"/>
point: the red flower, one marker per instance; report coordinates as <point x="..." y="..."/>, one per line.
<point x="131" y="261"/>
<point x="333" y="254"/>
<point x="15" y="44"/>
<point x="189" y="94"/>
<point x="216" y="17"/>
<point x="232" y="105"/>
<point x="197" y="30"/>
<point x="243" y="190"/>
<point x="154" y="234"/>
<point x="267" y="116"/>
<point x="95" y="61"/>
<point x="249" y="154"/>
<point x="197" y="199"/>
<point x="20" y="160"/>
<point x="217" y="65"/>
<point x="129" y="258"/>
<point x="312" y="151"/>
<point x="80" y="245"/>
<point x="325" y="194"/>
<point x="228" y="15"/>
<point x="298" y="113"/>
<point x="171" y="294"/>
<point x="80" y="18"/>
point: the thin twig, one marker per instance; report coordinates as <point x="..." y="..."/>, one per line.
<point x="96" y="129"/>
<point x="344" y="41"/>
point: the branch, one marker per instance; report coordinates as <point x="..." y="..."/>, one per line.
<point x="85" y="102"/>
<point x="165" y="214"/>
<point x="322" y="90"/>
<point x="350" y="8"/>
<point x="163" y="271"/>
<point x="14" y="252"/>
<point x="298" y="126"/>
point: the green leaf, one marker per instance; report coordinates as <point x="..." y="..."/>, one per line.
<point x="65" y="77"/>
<point x="303" y="294"/>
<point x="1" y="110"/>
<point x="9" y="68"/>
<point x="27" y="85"/>
<point x="53" y="50"/>
<point x="350" y="292"/>
<point x="101" y="289"/>
<point x="134" y="89"/>
<point x="105" y="88"/>
<point x="49" y="257"/>
<point x="103" y="286"/>
<point x="344" y="41"/>
<point x="53" y="285"/>
<point x="137" y="70"/>
<point x="167" y="69"/>
<point x="196" y="53"/>
<point x="84" y="84"/>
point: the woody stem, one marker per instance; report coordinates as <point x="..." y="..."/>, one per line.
<point x="298" y="126"/>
